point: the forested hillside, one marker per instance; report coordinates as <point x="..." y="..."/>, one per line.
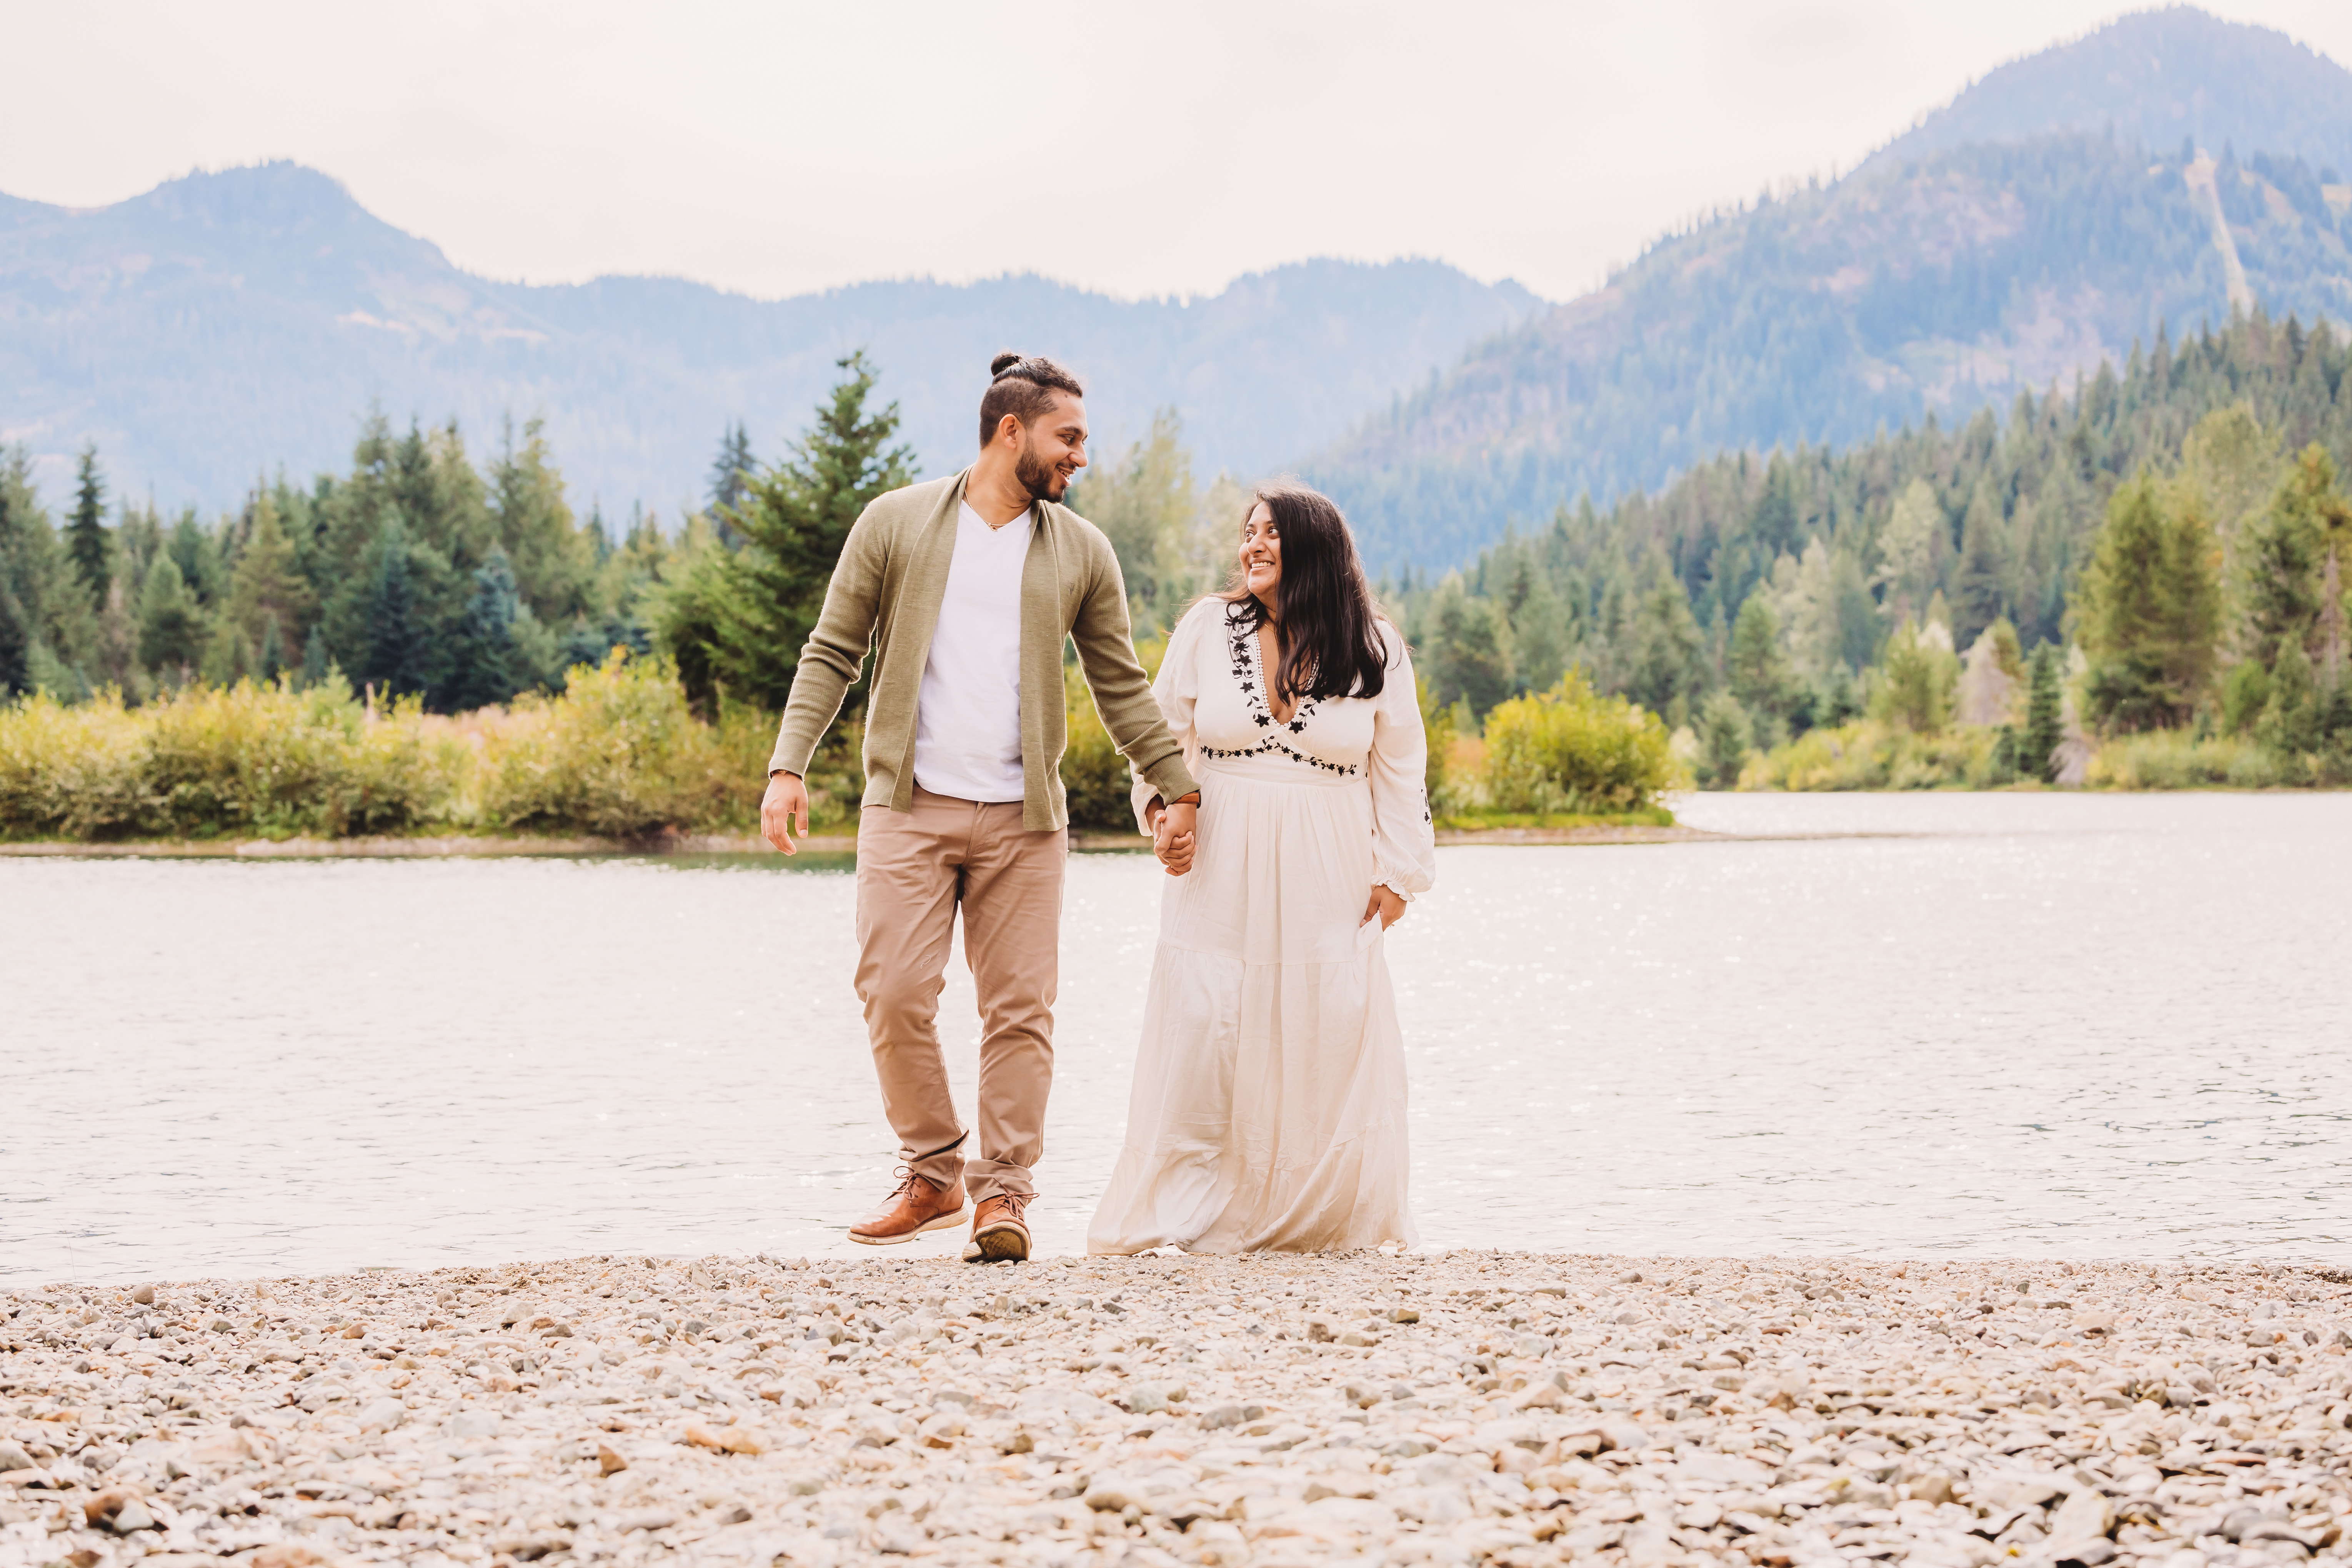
<point x="1942" y="276"/>
<point x="226" y="323"/>
<point x="1769" y="595"/>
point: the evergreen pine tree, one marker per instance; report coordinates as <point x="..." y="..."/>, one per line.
<point x="2280" y="561"/>
<point x="2151" y="607"/>
<point x="1761" y="676"/>
<point x="486" y="663"/>
<point x="393" y="630"/>
<point x="731" y="471"/>
<point x="1921" y="679"/>
<point x="198" y="551"/>
<point x="316" y="665"/>
<point x="1980" y="581"/>
<point x="553" y="561"/>
<point x="1838" y="697"/>
<point x="1470" y="661"/>
<point x="1724" y="735"/>
<point x="86" y="541"/>
<point x="1665" y="663"/>
<point x="171" y="622"/>
<point x="2291" y="723"/>
<point x="2045" y="722"/>
<point x="272" y="658"/>
<point x="15" y="644"/>
<point x="267" y="584"/>
<point x="794" y="519"/>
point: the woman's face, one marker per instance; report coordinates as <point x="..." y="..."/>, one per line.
<point x="1262" y="554"/>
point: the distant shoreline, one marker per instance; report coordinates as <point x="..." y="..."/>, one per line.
<point x="460" y="846"/>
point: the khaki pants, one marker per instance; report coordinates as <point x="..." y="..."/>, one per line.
<point x="913" y="868"/>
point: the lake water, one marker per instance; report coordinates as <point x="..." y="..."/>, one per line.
<point x="2027" y="1025"/>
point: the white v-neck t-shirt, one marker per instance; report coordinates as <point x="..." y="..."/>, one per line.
<point x="968" y="712"/>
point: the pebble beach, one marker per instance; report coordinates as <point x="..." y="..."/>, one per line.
<point x="1456" y="1407"/>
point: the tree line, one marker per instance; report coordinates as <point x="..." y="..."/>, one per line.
<point x="424" y="573"/>
<point x="419" y="572"/>
<point x="2158" y="548"/>
<point x="2172" y="533"/>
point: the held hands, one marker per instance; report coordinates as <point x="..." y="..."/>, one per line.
<point x="786" y="802"/>
<point x="1385" y="902"/>
<point x="1174" y="832"/>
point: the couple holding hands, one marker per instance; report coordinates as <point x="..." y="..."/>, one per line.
<point x="1278" y="767"/>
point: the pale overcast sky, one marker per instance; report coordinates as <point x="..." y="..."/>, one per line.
<point x="1137" y="148"/>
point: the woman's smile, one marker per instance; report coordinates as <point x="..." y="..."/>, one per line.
<point x="1261" y="554"/>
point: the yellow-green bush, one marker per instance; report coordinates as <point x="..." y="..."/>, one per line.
<point x="2177" y="759"/>
<point x="1094" y="775"/>
<point x="1869" y="755"/>
<point x="617" y="754"/>
<point x="1572" y="750"/>
<point x="620" y="754"/>
<point x="206" y="762"/>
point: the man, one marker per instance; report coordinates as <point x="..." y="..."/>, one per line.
<point x="965" y="589"/>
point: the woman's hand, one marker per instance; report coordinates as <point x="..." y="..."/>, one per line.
<point x="1385" y="902"/>
<point x="1173" y="835"/>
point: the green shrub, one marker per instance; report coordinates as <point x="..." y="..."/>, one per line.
<point x="1570" y="750"/>
<point x="1094" y="775"/>
<point x="616" y="754"/>
<point x="74" y="773"/>
<point x="1875" y="754"/>
<point x="619" y="755"/>
<point x="205" y="761"/>
<point x="2178" y="758"/>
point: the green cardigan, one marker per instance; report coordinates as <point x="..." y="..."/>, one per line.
<point x="885" y="594"/>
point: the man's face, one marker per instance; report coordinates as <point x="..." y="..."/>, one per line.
<point x="1053" y="449"/>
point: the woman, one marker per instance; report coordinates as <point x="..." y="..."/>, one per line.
<point x="1268" y="1111"/>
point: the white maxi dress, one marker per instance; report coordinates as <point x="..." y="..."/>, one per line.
<point x="1268" y="1111"/>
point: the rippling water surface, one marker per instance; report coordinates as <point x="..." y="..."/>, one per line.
<point x="1924" y="1025"/>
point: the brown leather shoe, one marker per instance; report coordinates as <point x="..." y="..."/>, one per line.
<point x="999" y="1234"/>
<point x="917" y="1206"/>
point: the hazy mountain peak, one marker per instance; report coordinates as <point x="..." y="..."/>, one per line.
<point x="277" y="195"/>
<point x="2154" y="77"/>
<point x="229" y="321"/>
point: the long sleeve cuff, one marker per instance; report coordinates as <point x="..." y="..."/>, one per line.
<point x="1167" y="780"/>
<point x="793" y="752"/>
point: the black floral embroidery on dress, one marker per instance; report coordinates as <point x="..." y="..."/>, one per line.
<point x="1240" y="648"/>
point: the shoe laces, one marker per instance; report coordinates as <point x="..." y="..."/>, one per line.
<point x="1015" y="1204"/>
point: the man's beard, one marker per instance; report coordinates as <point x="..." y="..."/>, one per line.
<point x="1042" y="481"/>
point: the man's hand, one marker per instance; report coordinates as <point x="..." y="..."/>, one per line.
<point x="1174" y="834"/>
<point x="786" y="802"/>
<point x="1386" y="903"/>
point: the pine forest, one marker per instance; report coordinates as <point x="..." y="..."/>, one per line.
<point x="2136" y="580"/>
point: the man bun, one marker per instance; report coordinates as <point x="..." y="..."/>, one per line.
<point x="1023" y="386"/>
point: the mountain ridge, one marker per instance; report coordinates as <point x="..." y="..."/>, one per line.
<point x="1933" y="278"/>
<point x="295" y="309"/>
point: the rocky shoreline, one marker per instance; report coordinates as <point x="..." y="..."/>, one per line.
<point x="1447" y="1408"/>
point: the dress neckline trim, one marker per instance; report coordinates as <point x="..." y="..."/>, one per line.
<point x="1244" y="653"/>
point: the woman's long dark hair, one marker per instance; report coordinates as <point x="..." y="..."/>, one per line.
<point x="1330" y="626"/>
